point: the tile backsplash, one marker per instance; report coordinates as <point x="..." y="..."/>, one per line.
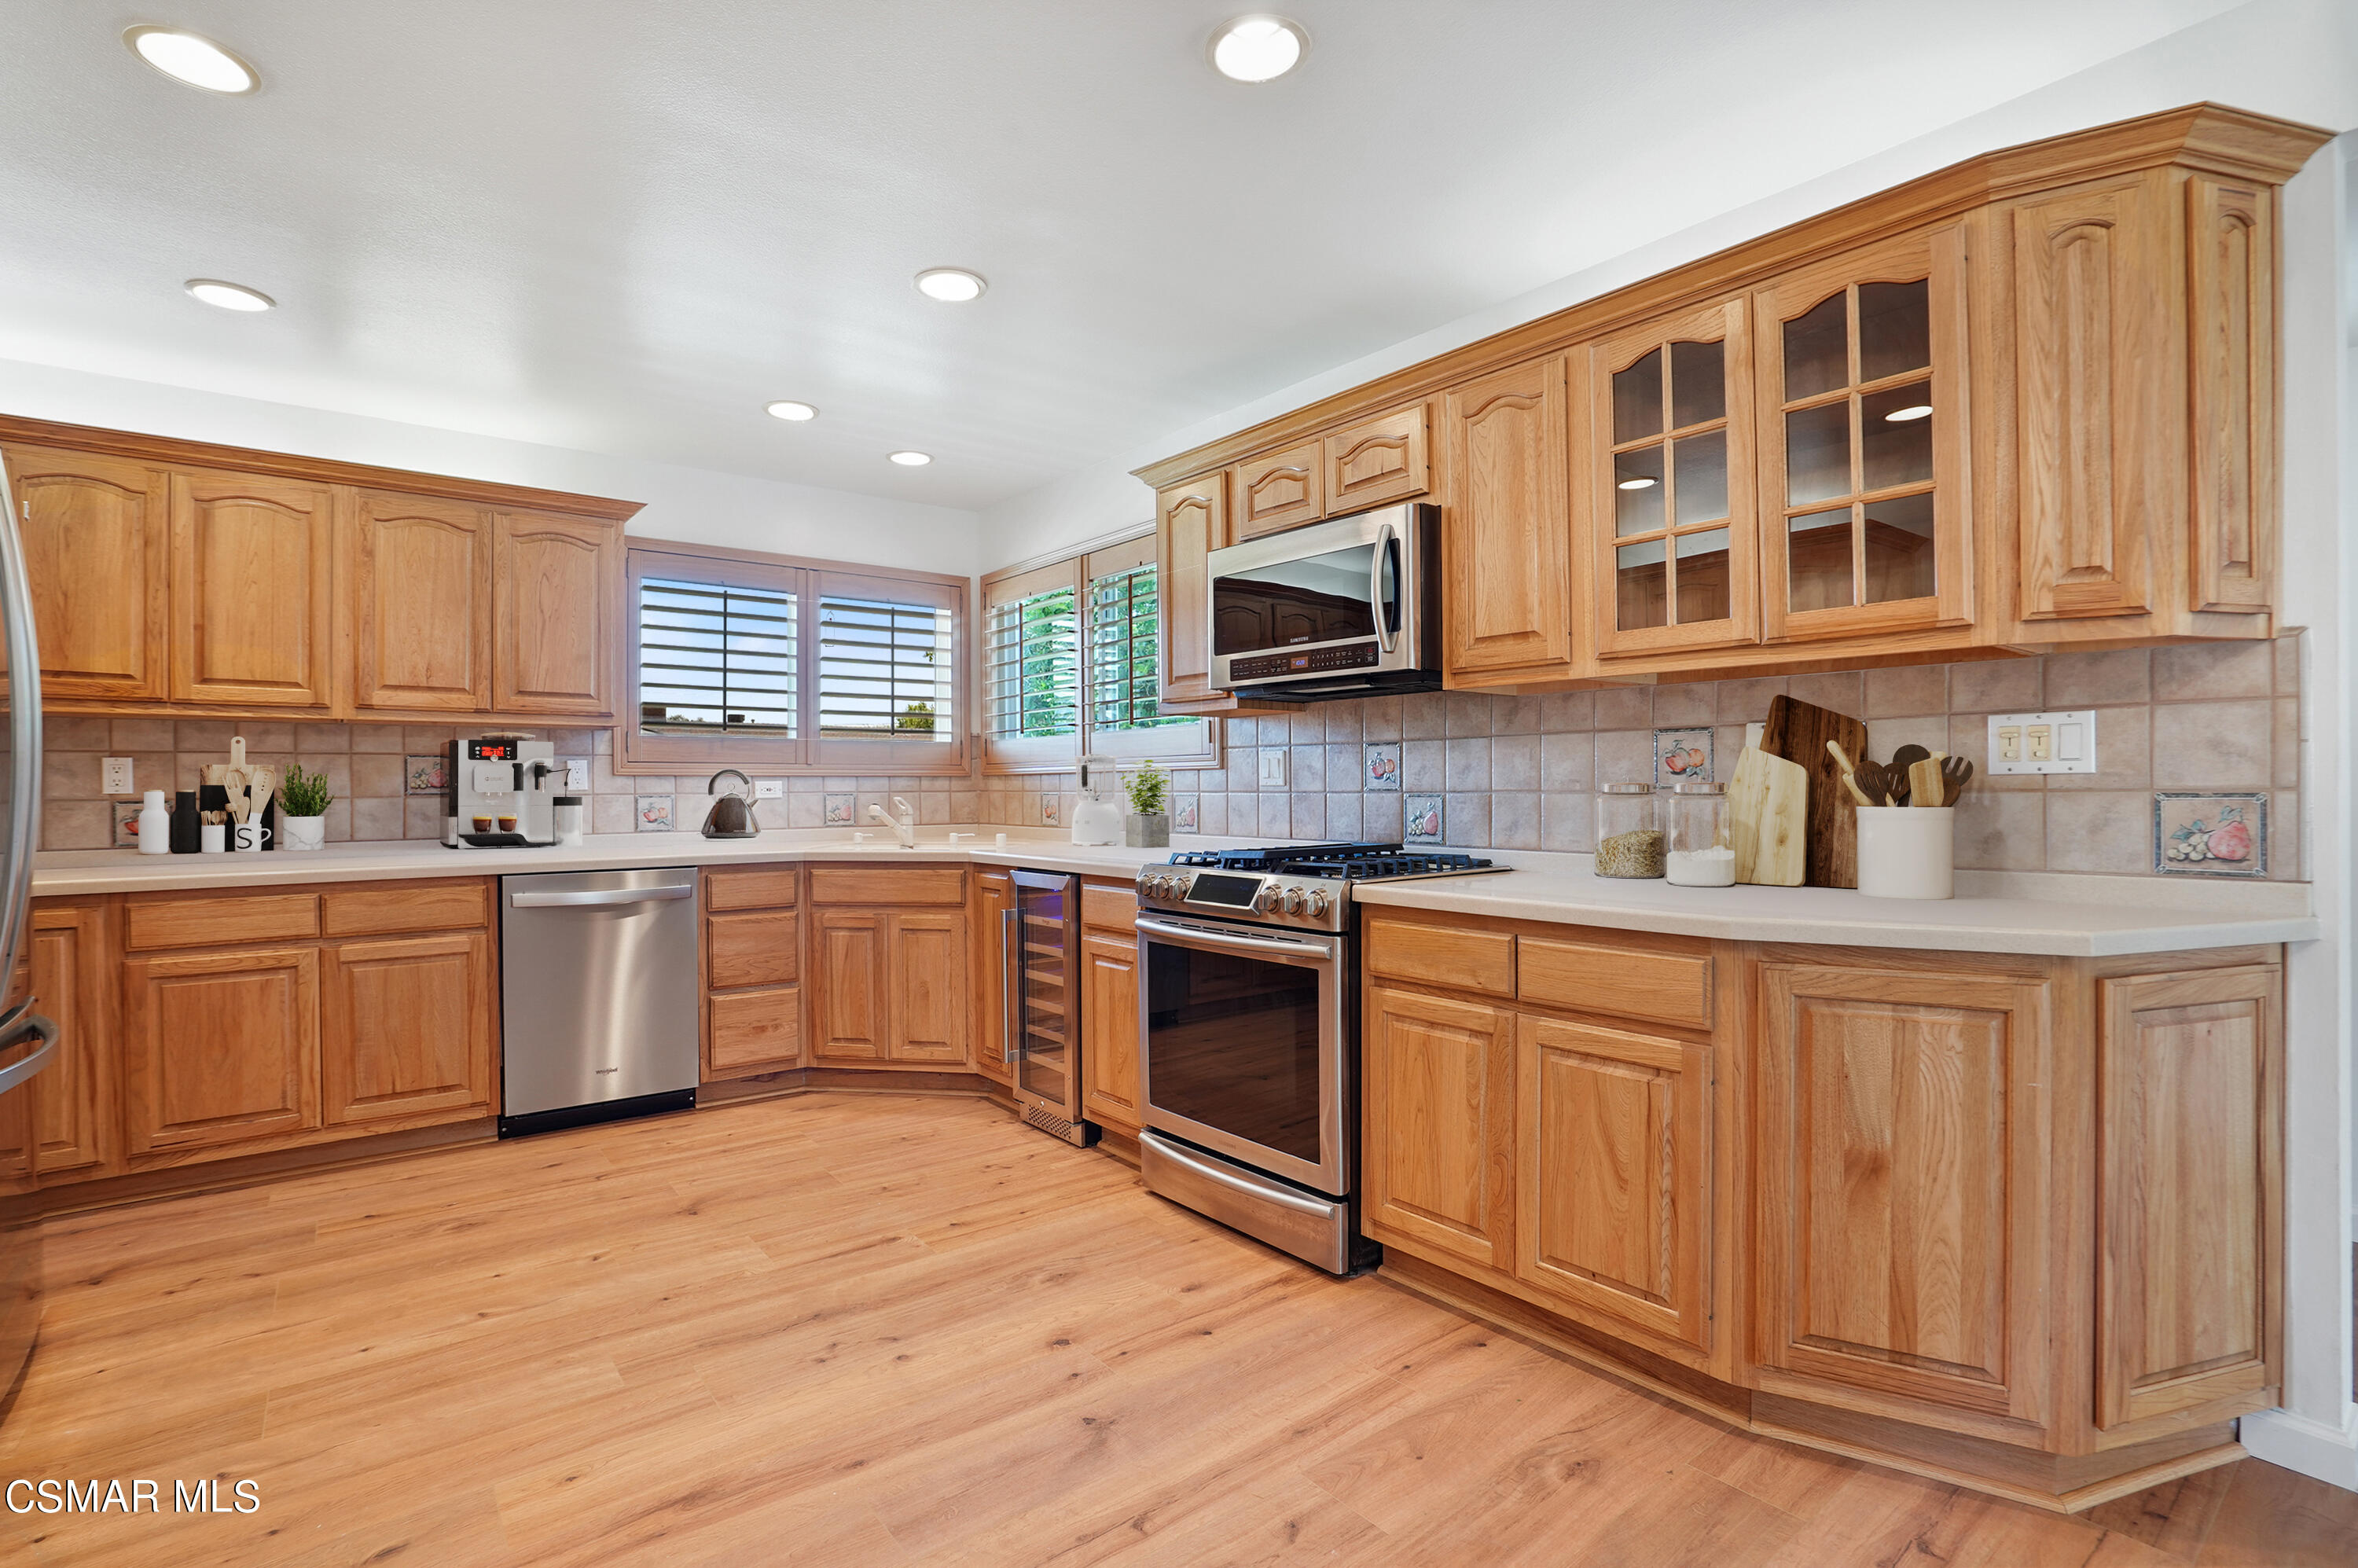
<point x="1508" y="773"/>
<point x="2221" y="721"/>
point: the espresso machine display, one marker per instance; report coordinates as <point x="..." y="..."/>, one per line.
<point x="502" y="792"/>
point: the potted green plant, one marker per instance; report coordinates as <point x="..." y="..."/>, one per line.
<point x="1148" y="825"/>
<point x="303" y="809"/>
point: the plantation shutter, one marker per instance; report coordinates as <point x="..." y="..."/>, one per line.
<point x="1123" y="606"/>
<point x="1032" y="668"/>
<point x="887" y="670"/>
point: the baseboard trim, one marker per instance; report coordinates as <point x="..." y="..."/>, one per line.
<point x="2313" y="1448"/>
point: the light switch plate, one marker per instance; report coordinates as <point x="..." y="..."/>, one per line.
<point x="576" y="772"/>
<point x="115" y="776"/>
<point x="1272" y="767"/>
<point x="2062" y="742"/>
<point x="769" y="789"/>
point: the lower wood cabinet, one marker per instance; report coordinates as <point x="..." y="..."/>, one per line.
<point x="1109" y="1092"/>
<point x="890" y="984"/>
<point x="994" y="897"/>
<point x="1439" y="1106"/>
<point x="406" y="1026"/>
<point x="1904" y="1188"/>
<point x="1613" y="1175"/>
<point x="753" y="1031"/>
<point x="854" y="1008"/>
<point x="219" y="1046"/>
<point x="69" y="971"/>
<point x="752" y="970"/>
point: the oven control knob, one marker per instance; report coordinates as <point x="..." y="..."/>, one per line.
<point x="1159" y="886"/>
<point x="1293" y="901"/>
<point x="1265" y="900"/>
<point x="1318" y="903"/>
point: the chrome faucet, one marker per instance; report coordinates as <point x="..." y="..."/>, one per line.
<point x="904" y="823"/>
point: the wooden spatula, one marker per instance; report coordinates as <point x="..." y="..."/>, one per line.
<point x="1902" y="760"/>
<point x="1925" y="786"/>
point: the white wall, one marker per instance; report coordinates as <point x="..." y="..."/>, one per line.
<point x="694" y="504"/>
<point x="2298" y="58"/>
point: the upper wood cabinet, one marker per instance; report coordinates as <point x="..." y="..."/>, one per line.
<point x="98" y="557"/>
<point x="558" y="596"/>
<point x="422" y="622"/>
<point x="1378" y="461"/>
<point x="1281" y="491"/>
<point x="1864" y="439"/>
<point x="253" y="569"/>
<point x="1904" y="1193"/>
<point x="1505" y="544"/>
<point x="1672" y="483"/>
<point x="169" y="575"/>
<point x="1191" y="520"/>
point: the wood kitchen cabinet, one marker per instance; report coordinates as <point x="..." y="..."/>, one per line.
<point x="925" y="980"/>
<point x="1506" y="538"/>
<point x="1379" y="461"/>
<point x="69" y="969"/>
<point x="1110" y="1068"/>
<point x="1283" y="490"/>
<point x="853" y="1013"/>
<point x="1905" y="1192"/>
<point x="888" y="956"/>
<point x="1191" y="521"/>
<point x="221" y="1046"/>
<point x="98" y="559"/>
<point x="752" y="971"/>
<point x="172" y="576"/>
<point x="408" y="1026"/>
<point x="1439" y="1149"/>
<point x="252" y="587"/>
<point x="420" y="601"/>
<point x="994" y="900"/>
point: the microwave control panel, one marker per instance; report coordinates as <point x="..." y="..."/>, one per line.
<point x="1313" y="661"/>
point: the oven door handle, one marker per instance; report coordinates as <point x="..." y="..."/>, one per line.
<point x="1387" y="628"/>
<point x="1274" y="946"/>
<point x="1260" y="1192"/>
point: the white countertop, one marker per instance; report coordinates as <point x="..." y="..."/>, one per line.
<point x="2066" y="916"/>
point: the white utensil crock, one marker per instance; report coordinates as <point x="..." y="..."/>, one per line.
<point x="1907" y="851"/>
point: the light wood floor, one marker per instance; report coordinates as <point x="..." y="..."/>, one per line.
<point x="871" y="1329"/>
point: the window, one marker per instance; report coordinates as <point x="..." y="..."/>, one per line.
<point x="1071" y="666"/>
<point x="751" y="661"/>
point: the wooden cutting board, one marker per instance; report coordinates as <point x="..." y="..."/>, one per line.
<point x="1798" y="731"/>
<point x="1768" y="818"/>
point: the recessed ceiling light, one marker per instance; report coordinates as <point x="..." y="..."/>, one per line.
<point x="913" y="459"/>
<point x="786" y="408"/>
<point x="954" y="285"/>
<point x="1913" y="411"/>
<point x="1636" y="484"/>
<point x="1258" y="48"/>
<point x="228" y="296"/>
<point x="187" y="57"/>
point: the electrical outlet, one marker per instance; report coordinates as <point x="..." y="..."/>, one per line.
<point x="2043" y="742"/>
<point x="115" y="773"/>
<point x="769" y="789"/>
<point x="576" y="774"/>
<point x="1272" y="767"/>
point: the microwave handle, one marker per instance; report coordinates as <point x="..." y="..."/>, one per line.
<point x="1387" y="620"/>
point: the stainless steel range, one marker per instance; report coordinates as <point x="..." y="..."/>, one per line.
<point x="1248" y="1015"/>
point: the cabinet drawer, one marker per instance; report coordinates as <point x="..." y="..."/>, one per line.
<point x="1447" y="955"/>
<point x="1668" y="987"/>
<point x="1113" y="909"/>
<point x="168" y="920"/>
<point x="875" y="885"/>
<point x="755" y="887"/>
<point x="753" y="949"/>
<point x="371" y="911"/>
<point x="756" y="1029"/>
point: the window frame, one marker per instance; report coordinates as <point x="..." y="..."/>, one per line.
<point x="1194" y="745"/>
<point x="810" y="580"/>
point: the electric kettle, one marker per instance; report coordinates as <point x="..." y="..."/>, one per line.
<point x="1097" y="818"/>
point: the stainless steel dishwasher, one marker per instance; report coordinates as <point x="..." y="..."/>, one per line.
<point x="597" y="994"/>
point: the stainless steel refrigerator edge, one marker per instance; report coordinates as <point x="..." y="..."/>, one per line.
<point x="29" y="1043"/>
<point x="1039" y="952"/>
<point x="597" y="996"/>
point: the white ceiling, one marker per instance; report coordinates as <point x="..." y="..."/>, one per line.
<point x="623" y="225"/>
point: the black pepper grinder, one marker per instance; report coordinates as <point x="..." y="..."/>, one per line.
<point x="188" y="823"/>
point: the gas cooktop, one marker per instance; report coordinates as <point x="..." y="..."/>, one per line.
<point x="1363" y="862"/>
<point x="1292" y="885"/>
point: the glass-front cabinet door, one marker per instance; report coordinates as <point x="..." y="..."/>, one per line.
<point x="1672" y="485"/>
<point x="1864" y="514"/>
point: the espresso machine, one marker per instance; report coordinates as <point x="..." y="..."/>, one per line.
<point x="502" y="792"/>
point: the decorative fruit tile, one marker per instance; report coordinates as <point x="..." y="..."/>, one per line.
<point x="127" y="821"/>
<point x="428" y="775"/>
<point x="2210" y="833"/>
<point x="835" y="810"/>
<point x="655" y="812"/>
<point x="1381" y="765"/>
<point x="1184" y="814"/>
<point x="1681" y="755"/>
<point x="1420" y="819"/>
<point x="1051" y="809"/>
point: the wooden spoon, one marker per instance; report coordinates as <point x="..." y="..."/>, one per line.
<point x="1902" y="760"/>
<point x="1849" y="771"/>
<point x="1880" y="780"/>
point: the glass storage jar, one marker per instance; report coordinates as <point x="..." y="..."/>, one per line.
<point x="1700" y="852"/>
<point x="1628" y="831"/>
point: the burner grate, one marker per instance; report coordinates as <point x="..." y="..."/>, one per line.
<point x="1356" y="862"/>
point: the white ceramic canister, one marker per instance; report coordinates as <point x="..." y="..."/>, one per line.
<point x="1907" y="851"/>
<point x="155" y="825"/>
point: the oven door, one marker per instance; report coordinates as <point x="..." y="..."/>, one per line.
<point x="1246" y="1036"/>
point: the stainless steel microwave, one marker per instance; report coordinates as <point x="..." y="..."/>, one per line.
<point x="1345" y="608"/>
